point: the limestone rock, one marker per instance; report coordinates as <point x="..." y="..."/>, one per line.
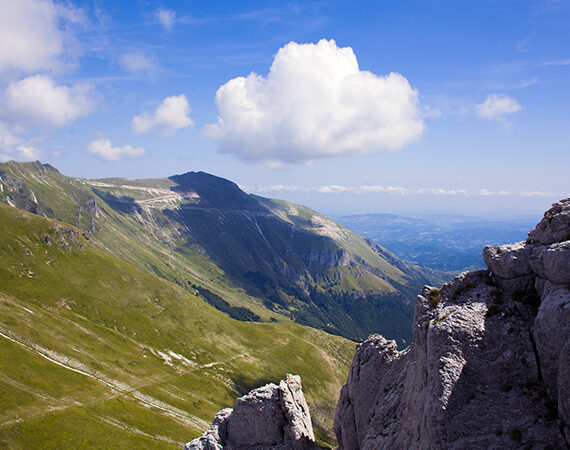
<point x="470" y="380"/>
<point x="292" y="401"/>
<point x="508" y="261"/>
<point x="490" y="362"/>
<point x="552" y="262"/>
<point x="552" y="334"/>
<point x="214" y="436"/>
<point x="271" y="417"/>
<point x="555" y="225"/>
<point x="510" y="266"/>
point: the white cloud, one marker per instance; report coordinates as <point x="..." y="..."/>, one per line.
<point x="497" y="107"/>
<point x="13" y="147"/>
<point x="333" y="189"/>
<point x="432" y="112"/>
<point x="171" y="115"/>
<point x="536" y="194"/>
<point x="486" y="193"/>
<point x="38" y="101"/>
<point x="394" y="190"/>
<point x="315" y="103"/>
<point x="32" y="38"/>
<point x="104" y="149"/>
<point x="165" y="17"/>
<point x="137" y="62"/>
<point x="364" y="189"/>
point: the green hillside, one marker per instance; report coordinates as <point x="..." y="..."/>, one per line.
<point x="95" y="353"/>
<point x="251" y="257"/>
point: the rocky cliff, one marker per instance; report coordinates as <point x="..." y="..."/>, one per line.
<point x="271" y="417"/>
<point x="490" y="362"/>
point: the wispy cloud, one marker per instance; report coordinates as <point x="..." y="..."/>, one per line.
<point x="392" y="190"/>
<point x="556" y="62"/>
<point x="497" y="107"/>
<point x="166" y="17"/>
<point x="14" y="147"/>
<point x="136" y="61"/>
<point x="522" y="46"/>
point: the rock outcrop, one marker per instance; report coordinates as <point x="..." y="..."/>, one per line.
<point x="271" y="417"/>
<point x="490" y="362"/>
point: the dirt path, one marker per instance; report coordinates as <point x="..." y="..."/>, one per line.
<point x="119" y="387"/>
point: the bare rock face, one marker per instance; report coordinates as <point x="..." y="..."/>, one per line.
<point x="490" y="362"/>
<point x="554" y="226"/>
<point x="270" y="417"/>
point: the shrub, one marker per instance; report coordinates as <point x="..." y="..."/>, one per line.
<point x="434" y="296"/>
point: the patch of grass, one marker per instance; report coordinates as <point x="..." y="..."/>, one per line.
<point x="434" y="296"/>
<point x="441" y="318"/>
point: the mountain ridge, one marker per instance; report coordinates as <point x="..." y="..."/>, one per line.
<point x="274" y="258"/>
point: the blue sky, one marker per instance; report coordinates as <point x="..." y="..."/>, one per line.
<point x="347" y="107"/>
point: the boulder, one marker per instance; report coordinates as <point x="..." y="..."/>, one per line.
<point x="270" y="417"/>
<point x="508" y="261"/>
<point x="552" y="262"/>
<point x="510" y="266"/>
<point x="555" y="225"/>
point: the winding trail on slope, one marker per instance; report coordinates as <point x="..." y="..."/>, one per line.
<point x="123" y="390"/>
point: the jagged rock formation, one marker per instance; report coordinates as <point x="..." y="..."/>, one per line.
<point x="270" y="417"/>
<point x="490" y="362"/>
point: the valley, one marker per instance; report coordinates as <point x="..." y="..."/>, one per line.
<point x="442" y="242"/>
<point x="93" y="347"/>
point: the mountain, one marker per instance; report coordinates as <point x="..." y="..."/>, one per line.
<point x="442" y="242"/>
<point x="252" y="257"/>
<point x="97" y="354"/>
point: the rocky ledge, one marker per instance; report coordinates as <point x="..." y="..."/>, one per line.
<point x="271" y="417"/>
<point x="490" y="362"/>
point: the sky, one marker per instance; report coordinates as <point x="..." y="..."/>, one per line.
<point x="346" y="107"/>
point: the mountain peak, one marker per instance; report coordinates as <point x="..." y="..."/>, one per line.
<point x="215" y="192"/>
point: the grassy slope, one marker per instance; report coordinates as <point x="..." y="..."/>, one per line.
<point x="153" y="246"/>
<point x="156" y="361"/>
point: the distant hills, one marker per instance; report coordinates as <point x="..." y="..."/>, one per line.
<point x="254" y="258"/>
<point x="441" y="242"/>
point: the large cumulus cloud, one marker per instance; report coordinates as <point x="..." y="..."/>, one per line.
<point x="315" y="103"/>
